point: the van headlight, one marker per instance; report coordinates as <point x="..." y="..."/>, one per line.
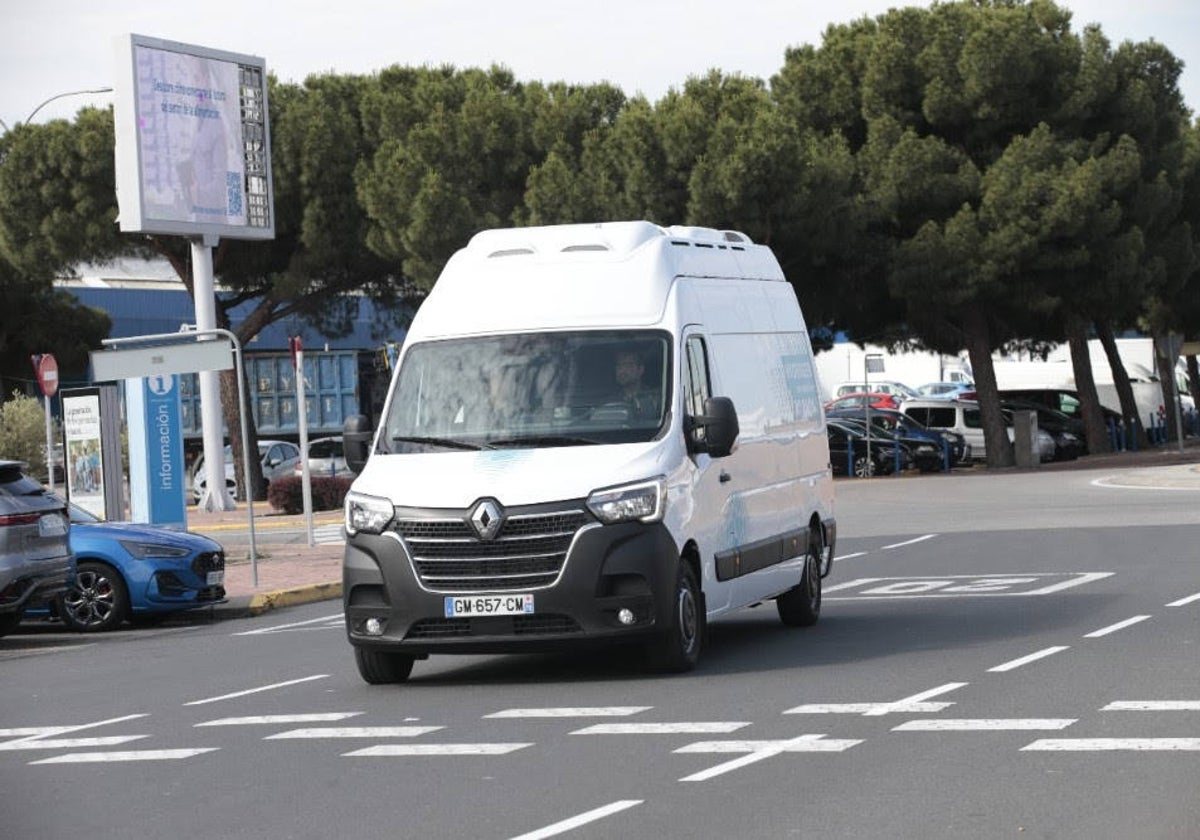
<point x="367" y="514"/>
<point x="642" y="502"/>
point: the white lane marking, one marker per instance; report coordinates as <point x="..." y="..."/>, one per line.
<point x="1184" y="601"/>
<point x="262" y="630"/>
<point x="356" y="732"/>
<point x="1112" y="482"/>
<point x="1113" y="628"/>
<point x="62" y="730"/>
<point x="134" y="755"/>
<point x="983" y="724"/>
<point x="33" y="730"/>
<point x="388" y="750"/>
<point x="1025" y="660"/>
<point x="1153" y="706"/>
<point x="583" y="819"/>
<point x="909" y="705"/>
<point x="1086" y="577"/>
<point x="257" y="720"/>
<point x="857" y="582"/>
<point x="270" y="687"/>
<point x="697" y="728"/>
<point x="70" y="743"/>
<point x="1112" y="744"/>
<point x="908" y="542"/>
<point x="851" y="556"/>
<point x="571" y="711"/>
<point x="758" y="751"/>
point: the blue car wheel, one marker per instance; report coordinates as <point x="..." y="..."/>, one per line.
<point x="97" y="602"/>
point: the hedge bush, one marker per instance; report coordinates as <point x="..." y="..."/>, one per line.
<point x="287" y="494"/>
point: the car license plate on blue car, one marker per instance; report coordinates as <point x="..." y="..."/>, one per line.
<point x="464" y="606"/>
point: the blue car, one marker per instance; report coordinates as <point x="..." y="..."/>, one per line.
<point x="137" y="572"/>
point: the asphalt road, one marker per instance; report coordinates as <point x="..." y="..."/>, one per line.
<point x="1000" y="656"/>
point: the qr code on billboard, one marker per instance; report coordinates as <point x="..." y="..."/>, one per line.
<point x="233" y="193"/>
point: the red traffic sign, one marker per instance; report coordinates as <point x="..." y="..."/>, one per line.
<point x="47" y="373"/>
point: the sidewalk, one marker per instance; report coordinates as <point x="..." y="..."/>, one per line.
<point x="290" y="571"/>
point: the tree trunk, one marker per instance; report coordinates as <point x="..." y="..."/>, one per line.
<point x="1166" y="380"/>
<point x="1085" y="385"/>
<point x="1135" y="429"/>
<point x="233" y="419"/>
<point x="998" y="447"/>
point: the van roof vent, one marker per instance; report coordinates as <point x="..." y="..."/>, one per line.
<point x="510" y="252"/>
<point x="593" y="247"/>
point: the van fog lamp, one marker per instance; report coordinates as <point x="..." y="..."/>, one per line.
<point x="626" y="616"/>
<point x="642" y="502"/>
<point x="367" y="514"/>
<point x="373" y="627"/>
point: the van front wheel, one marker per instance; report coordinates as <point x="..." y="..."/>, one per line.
<point x="379" y="667"/>
<point x="678" y="649"/>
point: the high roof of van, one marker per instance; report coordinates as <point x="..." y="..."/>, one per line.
<point x="580" y="276"/>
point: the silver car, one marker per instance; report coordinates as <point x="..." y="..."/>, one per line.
<point x="279" y="458"/>
<point x="36" y="564"/>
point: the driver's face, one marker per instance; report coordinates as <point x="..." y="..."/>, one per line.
<point x="629" y="370"/>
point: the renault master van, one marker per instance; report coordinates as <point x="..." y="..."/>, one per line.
<point x="595" y="434"/>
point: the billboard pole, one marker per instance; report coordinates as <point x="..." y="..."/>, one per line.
<point x="216" y="496"/>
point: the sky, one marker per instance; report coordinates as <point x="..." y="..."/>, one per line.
<point x="52" y="47"/>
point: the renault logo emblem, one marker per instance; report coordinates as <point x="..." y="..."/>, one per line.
<point x="487" y="519"/>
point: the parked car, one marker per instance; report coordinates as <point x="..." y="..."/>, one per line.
<point x="910" y="430"/>
<point x="963" y="416"/>
<point x="876" y="399"/>
<point x="137" y="572"/>
<point x="36" y="564"/>
<point x="896" y="389"/>
<point x="925" y="453"/>
<point x="1067" y="432"/>
<point x="947" y="390"/>
<point x="279" y="458"/>
<point x="325" y="458"/>
<point x="848" y="453"/>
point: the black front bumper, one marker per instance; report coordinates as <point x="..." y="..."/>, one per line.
<point x="608" y="568"/>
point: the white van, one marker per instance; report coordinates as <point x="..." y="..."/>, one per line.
<point x="515" y="498"/>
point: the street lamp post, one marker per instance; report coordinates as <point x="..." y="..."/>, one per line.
<point x="33" y="113"/>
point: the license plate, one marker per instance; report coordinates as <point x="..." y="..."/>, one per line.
<point x="470" y="606"/>
<point x="52" y="525"/>
<point x="215" y="578"/>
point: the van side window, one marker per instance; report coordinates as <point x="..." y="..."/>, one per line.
<point x="698" y="387"/>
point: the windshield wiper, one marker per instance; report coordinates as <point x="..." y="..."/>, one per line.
<point x="449" y="443"/>
<point x="543" y="440"/>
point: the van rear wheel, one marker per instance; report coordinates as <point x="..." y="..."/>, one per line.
<point x="380" y="667"/>
<point x="801" y="606"/>
<point x="678" y="649"/>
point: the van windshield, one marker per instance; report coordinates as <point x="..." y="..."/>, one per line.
<point x="530" y="390"/>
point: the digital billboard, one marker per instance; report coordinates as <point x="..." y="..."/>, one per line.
<point x="192" y="141"/>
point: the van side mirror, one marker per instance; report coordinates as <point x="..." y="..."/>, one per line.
<point x="356" y="441"/>
<point x="716" y="430"/>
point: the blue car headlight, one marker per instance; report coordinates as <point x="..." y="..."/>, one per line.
<point x="146" y="550"/>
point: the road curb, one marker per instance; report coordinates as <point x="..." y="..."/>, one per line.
<point x="246" y="606"/>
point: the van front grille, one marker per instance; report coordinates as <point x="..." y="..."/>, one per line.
<point x="527" y="553"/>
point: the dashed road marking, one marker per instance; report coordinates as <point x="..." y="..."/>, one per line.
<point x="135" y="755"/>
<point x="268" y="720"/>
<point x="260" y="688"/>
<point x="983" y="724"/>
<point x="356" y="732"/>
<point x="697" y="728"/>
<point x="908" y="542"/>
<point x="1185" y="601"/>
<point x="394" y="750"/>
<point x="1025" y="660"/>
<point x="1112" y="628"/>
<point x="758" y="751"/>
<point x="916" y="704"/>
<point x="580" y="820"/>
<point x="69" y="743"/>
<point x="1153" y="706"/>
<point x="1113" y="744"/>
<point x="570" y="712"/>
<point x="335" y="620"/>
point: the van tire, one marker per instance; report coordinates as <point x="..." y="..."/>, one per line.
<point x="801" y="605"/>
<point x="380" y="667"/>
<point x="678" y="649"/>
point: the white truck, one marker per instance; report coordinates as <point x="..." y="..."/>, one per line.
<point x="513" y="497"/>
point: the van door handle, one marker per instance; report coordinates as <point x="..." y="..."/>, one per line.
<point x="724" y="476"/>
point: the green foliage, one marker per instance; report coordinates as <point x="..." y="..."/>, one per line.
<point x="287" y="494"/>
<point x="23" y="432"/>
